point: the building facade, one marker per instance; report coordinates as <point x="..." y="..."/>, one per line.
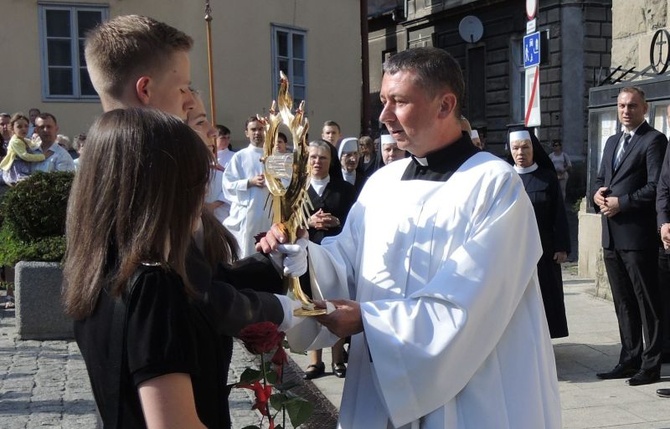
<point x="251" y="41"/>
<point x="486" y="38"/>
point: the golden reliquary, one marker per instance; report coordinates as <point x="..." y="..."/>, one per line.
<point x="287" y="178"/>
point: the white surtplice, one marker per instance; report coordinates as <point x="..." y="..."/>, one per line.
<point x="249" y="212"/>
<point x="455" y="334"/>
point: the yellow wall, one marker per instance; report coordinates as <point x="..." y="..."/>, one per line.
<point x="241" y="33"/>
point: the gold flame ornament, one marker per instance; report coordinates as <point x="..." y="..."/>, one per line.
<point x="287" y="178"/>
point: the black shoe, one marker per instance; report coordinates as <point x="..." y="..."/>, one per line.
<point x="315" y="370"/>
<point x="619" y="371"/>
<point x="645" y="376"/>
<point x="663" y="393"/>
<point x="339" y="370"/>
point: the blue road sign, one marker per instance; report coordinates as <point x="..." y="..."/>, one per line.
<point x="531" y="50"/>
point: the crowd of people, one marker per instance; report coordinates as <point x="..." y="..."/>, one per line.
<point x="32" y="143"/>
<point x="171" y="251"/>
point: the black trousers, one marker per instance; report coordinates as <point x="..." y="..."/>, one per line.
<point x="633" y="277"/>
<point x="664" y="286"/>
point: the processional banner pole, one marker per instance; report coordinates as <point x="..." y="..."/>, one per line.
<point x="210" y="60"/>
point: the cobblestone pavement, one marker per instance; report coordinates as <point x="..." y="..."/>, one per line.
<point x="44" y="384"/>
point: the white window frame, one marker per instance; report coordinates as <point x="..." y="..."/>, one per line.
<point x="77" y="63"/>
<point x="291" y="31"/>
<point x="517" y="82"/>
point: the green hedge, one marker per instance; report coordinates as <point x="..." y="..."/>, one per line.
<point x="33" y="218"/>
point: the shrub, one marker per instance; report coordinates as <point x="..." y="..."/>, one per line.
<point x="33" y="218"/>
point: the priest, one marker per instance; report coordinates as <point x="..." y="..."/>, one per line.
<point x="436" y="283"/>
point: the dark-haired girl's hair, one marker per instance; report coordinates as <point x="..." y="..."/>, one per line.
<point x="135" y="199"/>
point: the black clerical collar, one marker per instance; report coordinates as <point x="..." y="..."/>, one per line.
<point x="438" y="166"/>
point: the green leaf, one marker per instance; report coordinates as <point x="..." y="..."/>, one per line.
<point x="277" y="400"/>
<point x="299" y="410"/>
<point x="33" y="214"/>
<point x="272" y="377"/>
<point x="250" y="375"/>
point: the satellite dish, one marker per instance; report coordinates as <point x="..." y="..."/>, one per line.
<point x="471" y="29"/>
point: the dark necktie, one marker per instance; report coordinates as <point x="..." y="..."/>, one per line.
<point x="622" y="151"/>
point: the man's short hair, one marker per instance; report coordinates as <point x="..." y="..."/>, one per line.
<point x="5" y="115"/>
<point x="47" y="115"/>
<point x="130" y="46"/>
<point x="435" y="69"/>
<point x="634" y="90"/>
<point x="249" y="120"/>
<point x="332" y="124"/>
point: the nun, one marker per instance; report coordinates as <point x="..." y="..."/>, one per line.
<point x="390" y="150"/>
<point x="542" y="187"/>
<point x="348" y="155"/>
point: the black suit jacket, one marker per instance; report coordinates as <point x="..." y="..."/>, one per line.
<point x="228" y="300"/>
<point x="634" y="183"/>
<point x="663" y="193"/>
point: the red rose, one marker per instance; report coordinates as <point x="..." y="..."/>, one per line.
<point x="262" y="394"/>
<point x="262" y="337"/>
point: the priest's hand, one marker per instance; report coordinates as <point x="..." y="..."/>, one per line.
<point x="346" y="320"/>
<point x="274" y="237"/>
<point x="294" y="257"/>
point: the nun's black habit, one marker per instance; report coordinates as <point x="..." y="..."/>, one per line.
<point x="545" y="194"/>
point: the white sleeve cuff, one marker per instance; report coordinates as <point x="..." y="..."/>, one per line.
<point x="288" y="305"/>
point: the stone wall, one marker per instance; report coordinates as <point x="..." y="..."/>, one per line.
<point x="633" y="25"/>
<point x="579" y="46"/>
<point x="501" y="23"/>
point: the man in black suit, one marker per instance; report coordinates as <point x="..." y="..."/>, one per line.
<point x="663" y="221"/>
<point x="625" y="196"/>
